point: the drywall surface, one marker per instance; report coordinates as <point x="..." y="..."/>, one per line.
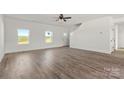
<point x="1" y="38"/>
<point x="93" y="35"/>
<point x="116" y="36"/>
<point x="37" y="35"/>
<point x="121" y="36"/>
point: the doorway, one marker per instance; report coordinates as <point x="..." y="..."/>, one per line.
<point x="118" y="33"/>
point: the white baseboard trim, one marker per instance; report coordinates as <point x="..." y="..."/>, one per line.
<point x="18" y="51"/>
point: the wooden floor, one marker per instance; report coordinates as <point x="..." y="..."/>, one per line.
<point x="61" y="63"/>
<point x="119" y="53"/>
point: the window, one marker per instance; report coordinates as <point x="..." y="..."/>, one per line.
<point x="48" y="37"/>
<point x="23" y="36"/>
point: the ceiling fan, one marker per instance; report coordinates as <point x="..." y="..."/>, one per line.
<point x="61" y="17"/>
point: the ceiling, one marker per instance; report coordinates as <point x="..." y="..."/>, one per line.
<point x="51" y="18"/>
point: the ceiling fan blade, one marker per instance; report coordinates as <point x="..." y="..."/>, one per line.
<point x="64" y="20"/>
<point x="67" y="18"/>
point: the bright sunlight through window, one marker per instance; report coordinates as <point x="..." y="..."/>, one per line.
<point x="23" y="36"/>
<point x="48" y="37"/>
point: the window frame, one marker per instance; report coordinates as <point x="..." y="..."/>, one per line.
<point x="46" y="37"/>
<point x="28" y="36"/>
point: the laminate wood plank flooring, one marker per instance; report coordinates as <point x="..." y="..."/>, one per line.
<point x="119" y="53"/>
<point x="61" y="63"/>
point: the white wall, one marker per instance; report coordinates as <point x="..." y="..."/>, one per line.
<point x="93" y="35"/>
<point x="37" y="40"/>
<point x="121" y="36"/>
<point x="116" y="36"/>
<point x="1" y="38"/>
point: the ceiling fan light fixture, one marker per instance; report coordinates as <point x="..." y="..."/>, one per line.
<point x="62" y="18"/>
